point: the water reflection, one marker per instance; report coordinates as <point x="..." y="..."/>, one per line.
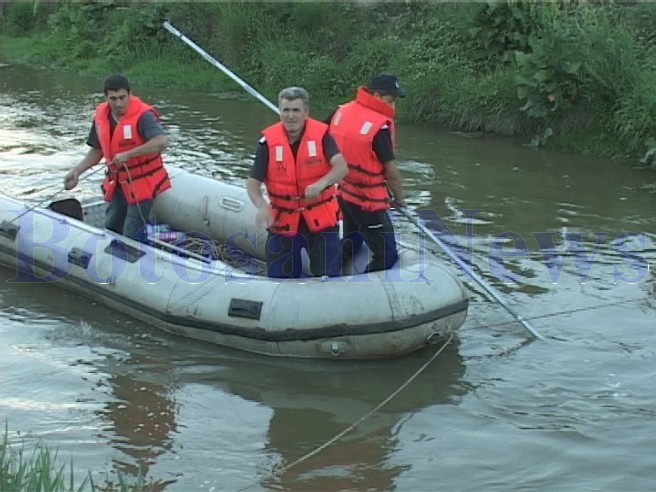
<point x="91" y="386"/>
<point x="142" y="413"/>
<point x="314" y="401"/>
<point x="157" y="381"/>
<point x="183" y="413"/>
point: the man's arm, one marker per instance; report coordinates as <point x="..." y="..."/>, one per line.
<point x="156" y="145"/>
<point x="335" y="175"/>
<point x="152" y="131"/>
<point x="258" y="175"/>
<point x="395" y="183"/>
<point x="91" y="159"/>
<point x="254" y="189"/>
<point x="263" y="217"/>
<point x="254" y="183"/>
<point x="384" y="150"/>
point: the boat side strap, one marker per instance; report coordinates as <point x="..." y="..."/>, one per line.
<point x="124" y="251"/>
<point x="77" y="256"/>
<point x="243" y="308"/>
<point x="9" y="230"/>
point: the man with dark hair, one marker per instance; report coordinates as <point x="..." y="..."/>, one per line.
<point x="299" y="163"/>
<point x="128" y="134"/>
<point x="364" y="131"/>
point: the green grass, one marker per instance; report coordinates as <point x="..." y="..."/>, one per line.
<point x="40" y="470"/>
<point x="596" y="59"/>
<point x="590" y="143"/>
<point x="21" y="49"/>
<point x="167" y="71"/>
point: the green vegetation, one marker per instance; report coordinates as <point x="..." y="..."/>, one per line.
<point x="574" y="75"/>
<point x="39" y="471"/>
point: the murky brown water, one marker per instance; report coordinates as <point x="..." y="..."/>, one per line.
<point x="489" y="413"/>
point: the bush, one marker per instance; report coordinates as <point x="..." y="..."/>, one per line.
<point x="509" y="66"/>
<point x="635" y="117"/>
<point x="23" y="17"/>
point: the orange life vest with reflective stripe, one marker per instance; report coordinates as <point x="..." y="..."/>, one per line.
<point x="145" y="176"/>
<point x="354" y="126"/>
<point x="287" y="178"/>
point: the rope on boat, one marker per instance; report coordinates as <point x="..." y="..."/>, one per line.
<point x="229" y="254"/>
<point x="52" y="197"/>
<point x="282" y="469"/>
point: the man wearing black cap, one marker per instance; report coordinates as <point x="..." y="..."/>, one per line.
<point x="364" y="131"/>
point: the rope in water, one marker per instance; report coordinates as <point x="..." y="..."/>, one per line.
<point x="237" y="257"/>
<point x="560" y="313"/>
<point x="282" y="469"/>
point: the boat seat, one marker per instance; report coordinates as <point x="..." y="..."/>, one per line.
<point x="70" y="207"/>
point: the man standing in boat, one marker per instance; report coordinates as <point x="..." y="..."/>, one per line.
<point x="299" y="162"/>
<point x="128" y="134"/>
<point x="364" y="131"/>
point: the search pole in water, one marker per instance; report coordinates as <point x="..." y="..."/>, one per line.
<point x="167" y="25"/>
<point x="412" y="218"/>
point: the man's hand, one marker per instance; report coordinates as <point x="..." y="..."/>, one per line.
<point x="314" y="190"/>
<point x="71" y="179"/>
<point x="120" y="159"/>
<point x="263" y="218"/>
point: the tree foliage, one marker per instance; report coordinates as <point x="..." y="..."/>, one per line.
<point x="536" y="69"/>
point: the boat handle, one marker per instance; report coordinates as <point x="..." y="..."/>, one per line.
<point x="79" y="257"/>
<point x="232" y="204"/>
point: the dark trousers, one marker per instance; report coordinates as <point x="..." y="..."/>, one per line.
<point x="373" y="227"/>
<point x="129" y="220"/>
<point x="283" y="253"/>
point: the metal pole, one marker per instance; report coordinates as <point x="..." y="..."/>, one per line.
<point x="473" y="275"/>
<point x="167" y="25"/>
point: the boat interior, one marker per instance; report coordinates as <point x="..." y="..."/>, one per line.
<point x="189" y="244"/>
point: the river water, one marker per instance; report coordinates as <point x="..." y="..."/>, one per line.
<point x="568" y="241"/>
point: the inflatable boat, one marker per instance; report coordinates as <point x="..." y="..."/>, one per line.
<point x="216" y="292"/>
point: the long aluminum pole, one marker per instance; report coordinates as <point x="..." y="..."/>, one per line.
<point x="167" y="25"/>
<point x="412" y="218"/>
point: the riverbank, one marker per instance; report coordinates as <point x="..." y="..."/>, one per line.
<point x="25" y="470"/>
<point x="576" y="77"/>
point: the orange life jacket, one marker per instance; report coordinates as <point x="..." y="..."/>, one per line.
<point x="145" y="177"/>
<point x="354" y="126"/>
<point x="287" y="179"/>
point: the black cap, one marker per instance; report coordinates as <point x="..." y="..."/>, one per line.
<point x="387" y="83"/>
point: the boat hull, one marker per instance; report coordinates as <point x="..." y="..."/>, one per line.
<point x="361" y="316"/>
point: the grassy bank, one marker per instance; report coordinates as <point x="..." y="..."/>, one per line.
<point x="578" y="76"/>
<point x="40" y="470"/>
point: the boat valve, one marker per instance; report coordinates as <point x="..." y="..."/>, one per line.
<point x="335" y="348"/>
<point x="433" y="338"/>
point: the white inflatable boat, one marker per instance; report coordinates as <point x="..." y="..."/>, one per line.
<point x="203" y="296"/>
